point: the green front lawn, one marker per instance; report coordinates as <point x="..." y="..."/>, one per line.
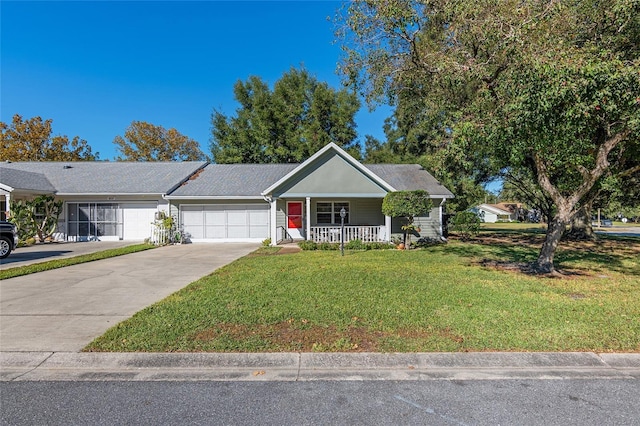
<point x="453" y="297"/>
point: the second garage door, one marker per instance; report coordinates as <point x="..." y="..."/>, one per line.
<point x="241" y="222"/>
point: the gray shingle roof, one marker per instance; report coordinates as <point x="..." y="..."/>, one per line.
<point x="214" y="180"/>
<point x="25" y="181"/>
<point x="240" y="180"/>
<point x="407" y="177"/>
<point x="249" y="180"/>
<point x="100" y="177"/>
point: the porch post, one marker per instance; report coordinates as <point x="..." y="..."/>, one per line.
<point x="387" y="224"/>
<point x="7" y="204"/>
<point x="308" y="227"/>
<point x="273" y="232"/>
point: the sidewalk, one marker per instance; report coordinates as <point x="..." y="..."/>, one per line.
<point x="71" y="366"/>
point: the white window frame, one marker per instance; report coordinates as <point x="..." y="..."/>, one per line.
<point x="335" y="214"/>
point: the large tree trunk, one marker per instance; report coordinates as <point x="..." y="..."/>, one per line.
<point x="581" y="229"/>
<point x="544" y="264"/>
<point x="566" y="204"/>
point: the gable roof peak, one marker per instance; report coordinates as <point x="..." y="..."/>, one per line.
<point x="339" y="151"/>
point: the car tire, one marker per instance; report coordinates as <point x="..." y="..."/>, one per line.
<point x="5" y="247"/>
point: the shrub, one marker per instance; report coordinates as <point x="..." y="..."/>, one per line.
<point x="465" y="224"/>
<point x="351" y="245"/>
<point x="308" y="245"/>
<point x="355" y="245"/>
<point x="379" y="246"/>
<point x="266" y="242"/>
<point x="329" y="246"/>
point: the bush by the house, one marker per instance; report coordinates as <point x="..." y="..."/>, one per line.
<point x="329" y="246"/>
<point x="355" y="245"/>
<point x="351" y="245"/>
<point x="308" y="245"/>
<point x="465" y="224"/>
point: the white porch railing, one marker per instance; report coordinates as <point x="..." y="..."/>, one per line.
<point x="331" y="234"/>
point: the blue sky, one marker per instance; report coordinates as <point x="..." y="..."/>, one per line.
<point x="94" y="67"/>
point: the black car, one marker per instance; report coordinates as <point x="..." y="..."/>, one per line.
<point x="8" y="238"/>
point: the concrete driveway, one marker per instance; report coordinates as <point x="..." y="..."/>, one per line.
<point x="38" y="253"/>
<point x="64" y="309"/>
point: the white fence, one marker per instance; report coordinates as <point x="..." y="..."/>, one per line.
<point x="331" y="234"/>
<point x="159" y="236"/>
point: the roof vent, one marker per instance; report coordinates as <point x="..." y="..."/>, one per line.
<point x="66" y="166"/>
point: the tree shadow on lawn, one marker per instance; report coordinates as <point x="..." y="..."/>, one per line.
<point x="518" y="252"/>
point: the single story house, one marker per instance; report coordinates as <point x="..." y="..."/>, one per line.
<point x="491" y="213"/>
<point x="226" y="202"/>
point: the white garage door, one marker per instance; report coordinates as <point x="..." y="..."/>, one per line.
<point x="137" y="219"/>
<point x="241" y="222"/>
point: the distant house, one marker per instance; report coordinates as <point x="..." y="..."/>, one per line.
<point x="226" y="202"/>
<point x="491" y="213"/>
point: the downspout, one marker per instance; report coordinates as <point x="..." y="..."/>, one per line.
<point x="440" y="213"/>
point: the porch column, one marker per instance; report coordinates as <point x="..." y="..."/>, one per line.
<point x="387" y="224"/>
<point x="7" y="203"/>
<point x="273" y="232"/>
<point x="308" y="230"/>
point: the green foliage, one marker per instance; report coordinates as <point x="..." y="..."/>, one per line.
<point x="287" y="124"/>
<point x="38" y="216"/>
<point x="465" y="224"/>
<point x="308" y="245"/>
<point x="355" y="245"/>
<point x="407" y="204"/>
<point x="147" y="142"/>
<point x="328" y="246"/>
<point x="551" y="88"/>
<point x="351" y="245"/>
<point x="266" y="242"/>
<point x="31" y="140"/>
<point x="22" y="217"/>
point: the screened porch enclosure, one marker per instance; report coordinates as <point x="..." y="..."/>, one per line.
<point x="93" y="221"/>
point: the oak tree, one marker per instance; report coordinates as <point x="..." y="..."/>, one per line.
<point x="32" y="140"/>
<point x="548" y="85"/>
<point x="147" y="142"/>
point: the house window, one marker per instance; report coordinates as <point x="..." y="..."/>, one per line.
<point x="328" y="212"/>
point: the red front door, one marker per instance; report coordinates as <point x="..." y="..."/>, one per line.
<point x="294" y="215"/>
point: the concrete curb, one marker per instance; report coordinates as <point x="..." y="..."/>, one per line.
<point x="71" y="366"/>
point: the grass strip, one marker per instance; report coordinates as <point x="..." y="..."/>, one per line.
<point x="442" y="298"/>
<point x="61" y="263"/>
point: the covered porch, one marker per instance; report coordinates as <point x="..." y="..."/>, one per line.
<point x="319" y="220"/>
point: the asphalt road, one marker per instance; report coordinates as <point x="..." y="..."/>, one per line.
<point x="438" y="402"/>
